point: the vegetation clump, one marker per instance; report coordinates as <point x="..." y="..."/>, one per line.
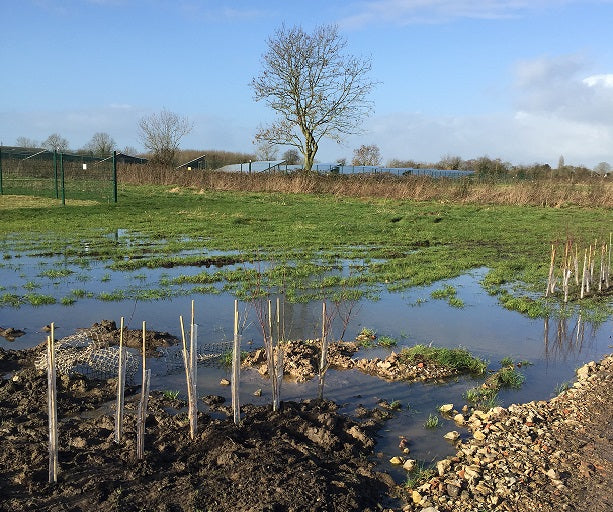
<point x="458" y="359"/>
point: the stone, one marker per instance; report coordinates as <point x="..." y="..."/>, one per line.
<point x="396" y="460"/>
<point x="257" y="392"/>
<point x="446" y="409"/>
<point x="454" y="489"/>
<point x="416" y="497"/>
<point x="459" y="419"/>
<point x="452" y="436"/>
<point x="224" y="382"/>
<point x="553" y="474"/>
<point x="430" y="509"/>
<point x="409" y="464"/>
<point x="442" y="466"/>
<point x="478" y="435"/>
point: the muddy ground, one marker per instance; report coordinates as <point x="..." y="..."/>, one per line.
<point x="305" y="457"/>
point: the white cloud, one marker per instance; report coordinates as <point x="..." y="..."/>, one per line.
<point x="599" y="80"/>
<point x="405" y="12"/>
<point x="553" y="86"/>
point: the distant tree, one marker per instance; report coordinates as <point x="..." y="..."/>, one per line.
<point x="561" y="163"/>
<point x="397" y="163"/>
<point x="101" y="144"/>
<point x="450" y="162"/>
<point x="266" y="151"/>
<point x="161" y="134"/>
<point x="129" y="150"/>
<point x="367" y="155"/>
<point x="603" y="168"/>
<point x="341" y="161"/>
<point x="291" y="157"/>
<point x="25" y="142"/>
<point x="55" y="142"/>
<point x="316" y="89"/>
<point x="486" y="167"/>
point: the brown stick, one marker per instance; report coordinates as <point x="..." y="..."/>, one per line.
<point x="236" y="362"/>
<point x="52" y="399"/>
<point x="550" y="280"/>
<point x="121" y="382"/>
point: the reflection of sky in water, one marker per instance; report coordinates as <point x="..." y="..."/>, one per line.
<point x="482" y="326"/>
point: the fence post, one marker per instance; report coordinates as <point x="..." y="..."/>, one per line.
<point x="62" y="175"/>
<point x="114" y="176"/>
<point x="1" y="191"/>
<point x="57" y="193"/>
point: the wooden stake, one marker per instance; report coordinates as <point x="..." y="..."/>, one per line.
<point x="193" y="405"/>
<point x="236" y="368"/>
<point x="52" y="402"/>
<point x="584" y="274"/>
<point x="142" y="417"/>
<point x="142" y="407"/>
<point x="121" y="383"/>
<point x="323" y="362"/>
<point x="188" y="376"/>
<point x="550" y="279"/>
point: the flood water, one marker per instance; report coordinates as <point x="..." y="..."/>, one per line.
<point x="554" y="347"/>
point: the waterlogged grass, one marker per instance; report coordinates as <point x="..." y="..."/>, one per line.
<point x="456" y="358"/>
<point x="399" y="244"/>
<point x="448" y="293"/>
<point x="419" y="475"/>
<point x="433" y="421"/>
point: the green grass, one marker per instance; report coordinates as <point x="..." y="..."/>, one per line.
<point x="315" y="232"/>
<point x="419" y="475"/>
<point x="387" y="341"/>
<point x="433" y="421"/>
<point x="456" y="358"/>
<point x="170" y="394"/>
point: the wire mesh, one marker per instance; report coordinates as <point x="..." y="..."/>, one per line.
<point x="43" y="173"/>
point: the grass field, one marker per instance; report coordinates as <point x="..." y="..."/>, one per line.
<point x="398" y="243"/>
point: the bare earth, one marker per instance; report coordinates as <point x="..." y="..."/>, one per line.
<point x="549" y="456"/>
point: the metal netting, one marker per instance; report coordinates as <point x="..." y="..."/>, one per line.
<point x="87" y="352"/>
<point x="43" y="173"/>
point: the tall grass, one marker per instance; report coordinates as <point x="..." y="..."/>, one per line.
<point x="552" y="192"/>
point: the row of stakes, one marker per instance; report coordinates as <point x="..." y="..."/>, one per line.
<point x="190" y="363"/>
<point x="275" y="364"/>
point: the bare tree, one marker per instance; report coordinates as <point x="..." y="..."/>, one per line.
<point x="161" y="134"/>
<point x="55" y="142"/>
<point x="291" y="157"/>
<point x="367" y="155"/>
<point x="450" y="162"/>
<point x="266" y="151"/>
<point x="25" y="142"/>
<point x="129" y="150"/>
<point x="603" y="168"/>
<point x="100" y="144"/>
<point x="315" y="88"/>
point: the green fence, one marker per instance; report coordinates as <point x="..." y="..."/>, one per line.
<point x="43" y="173"/>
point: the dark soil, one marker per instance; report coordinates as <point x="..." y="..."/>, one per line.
<point x="305" y="457"/>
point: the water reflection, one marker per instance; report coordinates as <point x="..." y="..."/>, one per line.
<point x="562" y="340"/>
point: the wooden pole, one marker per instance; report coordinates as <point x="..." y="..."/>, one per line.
<point x="188" y="375"/>
<point x="584" y="274"/>
<point x="550" y="279"/>
<point x="236" y="361"/>
<point x="193" y="405"/>
<point x="142" y="417"/>
<point x="121" y="383"/>
<point x="52" y="402"/>
<point x="323" y="363"/>
<point x="140" y="422"/>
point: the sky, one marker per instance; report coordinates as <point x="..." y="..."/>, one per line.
<point x="526" y="81"/>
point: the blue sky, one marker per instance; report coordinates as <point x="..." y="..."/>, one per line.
<point x="523" y="80"/>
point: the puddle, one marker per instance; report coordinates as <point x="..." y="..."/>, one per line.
<point x="554" y="347"/>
